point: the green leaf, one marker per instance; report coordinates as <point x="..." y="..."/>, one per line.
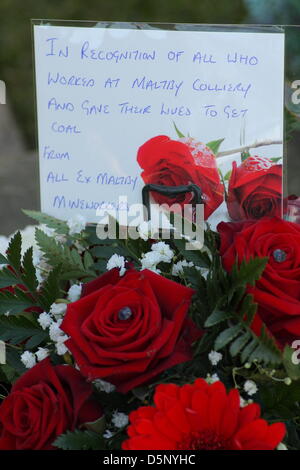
<point x="57" y="254"/>
<point x="106" y="252"/>
<point x="50" y="290"/>
<point x="58" y="225"/>
<point x="17" y="329"/>
<point x="227" y="175"/>
<point x="28" y="271"/>
<point x="214" y="145"/>
<point x="249" y="271"/>
<point x="244" y="156"/>
<point x="276" y="159"/>
<point x="248" y="350"/>
<point x="13" y="360"/>
<point x="180" y="134"/>
<point x="199" y="258"/>
<point x="14" y="303"/>
<point x="79" y="440"/>
<point x="88" y="261"/>
<point x="14" y="251"/>
<point x="217" y="317"/>
<point x="239" y="343"/>
<point x="3" y="260"/>
<point x="227" y="336"/>
<point x="7" y="278"/>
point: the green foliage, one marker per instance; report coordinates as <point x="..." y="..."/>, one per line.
<point x="18" y="329"/>
<point x="28" y="272"/>
<point x="67" y="258"/>
<point x="214" y="145"/>
<point x="79" y="440"/>
<point x="58" y="225"/>
<point x="199" y="258"/>
<point x="13" y="303"/>
<point x="13" y="367"/>
<point x="14" y="251"/>
<point x="236" y="309"/>
<point x="178" y="132"/>
<point x="3" y="260"/>
<point x="7" y="278"/>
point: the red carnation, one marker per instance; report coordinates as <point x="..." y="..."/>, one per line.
<point x="200" y="417"/>
<point x="174" y="163"/>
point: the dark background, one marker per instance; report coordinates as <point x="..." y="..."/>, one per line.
<point x="18" y="160"/>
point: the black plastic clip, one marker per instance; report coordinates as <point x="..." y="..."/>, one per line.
<point x="171" y="192"/>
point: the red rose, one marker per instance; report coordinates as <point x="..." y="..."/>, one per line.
<point x="278" y="290"/>
<point x="129" y="329"/>
<point x="255" y="189"/>
<point x="173" y="163"/>
<point x="199" y="416"/>
<point x="45" y="402"/>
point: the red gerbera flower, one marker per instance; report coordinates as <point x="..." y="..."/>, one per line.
<point x="200" y="417"/>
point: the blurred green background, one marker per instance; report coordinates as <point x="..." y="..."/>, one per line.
<point x="16" y="49"/>
<point x="18" y="174"/>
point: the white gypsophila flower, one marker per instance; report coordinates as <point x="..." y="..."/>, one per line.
<point x="76" y="224"/>
<point x="178" y="267"/>
<point x="42" y="353"/>
<point x="108" y="434"/>
<point x="203" y="271"/>
<point x="211" y="379"/>
<point x="58" y="310"/>
<point x="74" y="292"/>
<point x="281" y="446"/>
<point x="55" y="332"/>
<point x="119" y="420"/>
<point x="250" y="387"/>
<point x="164" y="250"/>
<point x="60" y="346"/>
<point x="61" y="238"/>
<point x="150" y="260"/>
<point x="214" y="357"/>
<point x="103" y="386"/>
<point x="42" y="268"/>
<point x="144" y="230"/>
<point x="28" y="359"/>
<point x="47" y="230"/>
<point x="116" y="261"/>
<point x="45" y="320"/>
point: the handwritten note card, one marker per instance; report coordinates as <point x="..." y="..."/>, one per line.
<point x="103" y="92"/>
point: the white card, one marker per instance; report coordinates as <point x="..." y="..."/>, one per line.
<point x="103" y="92"/>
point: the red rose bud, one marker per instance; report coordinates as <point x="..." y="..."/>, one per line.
<point x="255" y="189"/>
<point x="127" y="330"/>
<point x="277" y="292"/>
<point x="199" y="416"/>
<point x="45" y="402"/>
<point x="181" y="162"/>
